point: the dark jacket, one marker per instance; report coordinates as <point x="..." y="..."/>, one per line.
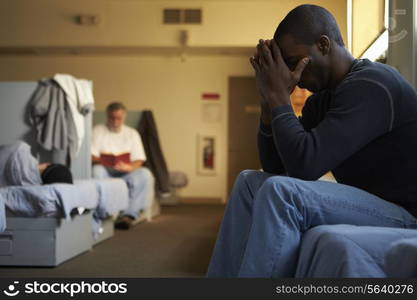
<point x="155" y="158"/>
<point x="364" y="131"/>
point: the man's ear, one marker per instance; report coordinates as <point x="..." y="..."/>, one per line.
<point x="323" y="44"/>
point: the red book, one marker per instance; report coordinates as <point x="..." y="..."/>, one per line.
<point x="110" y="160"/>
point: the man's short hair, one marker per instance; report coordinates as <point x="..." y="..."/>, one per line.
<point x="56" y="173"/>
<point x="307" y="22"/>
<point x="115" y="106"/>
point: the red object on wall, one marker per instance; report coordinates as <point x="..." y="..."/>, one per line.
<point x="210" y="96"/>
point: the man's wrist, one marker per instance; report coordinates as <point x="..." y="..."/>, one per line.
<point x="280" y="110"/>
<point x="277" y="100"/>
<point x="265" y="128"/>
<point x="266" y="118"/>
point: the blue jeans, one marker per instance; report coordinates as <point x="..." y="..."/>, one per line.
<point x="140" y="184"/>
<point x="266" y="216"/>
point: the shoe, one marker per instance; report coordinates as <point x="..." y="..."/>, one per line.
<point x="123" y="223"/>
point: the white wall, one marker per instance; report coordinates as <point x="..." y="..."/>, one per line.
<point x="170" y="88"/>
<point x="139" y="22"/>
<point x="165" y="84"/>
<point x="368" y="24"/>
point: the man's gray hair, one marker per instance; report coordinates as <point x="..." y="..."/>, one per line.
<point x="115" y="106"/>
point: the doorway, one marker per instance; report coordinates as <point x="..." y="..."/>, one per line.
<point x="244" y="112"/>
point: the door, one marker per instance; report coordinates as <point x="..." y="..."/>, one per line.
<point x="244" y="113"/>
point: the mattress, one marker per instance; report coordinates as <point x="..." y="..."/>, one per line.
<point x="42" y="220"/>
<point x="51" y="200"/>
<point x="104" y="197"/>
<point x="337" y="251"/>
<point x="401" y="259"/>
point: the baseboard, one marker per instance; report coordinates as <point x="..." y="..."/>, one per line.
<point x="199" y="200"/>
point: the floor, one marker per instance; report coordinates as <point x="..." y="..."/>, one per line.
<point x="178" y="243"/>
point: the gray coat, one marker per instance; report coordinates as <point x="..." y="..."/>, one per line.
<point x="52" y="118"/>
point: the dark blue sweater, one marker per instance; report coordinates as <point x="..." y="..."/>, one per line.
<point x="364" y="131"/>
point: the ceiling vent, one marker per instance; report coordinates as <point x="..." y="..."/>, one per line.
<point x="182" y="16"/>
<point x="192" y="16"/>
<point x="172" y="16"/>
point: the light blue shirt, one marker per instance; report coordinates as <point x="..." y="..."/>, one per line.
<point x="18" y="166"/>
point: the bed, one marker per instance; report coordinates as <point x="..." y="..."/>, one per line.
<point x="41" y="220"/>
<point x="401" y="258"/>
<point x="340" y="251"/>
<point x="38" y="223"/>
<point x="32" y="234"/>
<point x="349" y="251"/>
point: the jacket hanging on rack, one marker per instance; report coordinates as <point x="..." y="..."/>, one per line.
<point x="50" y="116"/>
<point x="57" y="111"/>
<point x="155" y="158"/>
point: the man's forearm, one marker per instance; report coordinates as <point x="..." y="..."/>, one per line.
<point x="268" y="154"/>
<point x="95" y="159"/>
<point x="136" y="164"/>
<point x="265" y="113"/>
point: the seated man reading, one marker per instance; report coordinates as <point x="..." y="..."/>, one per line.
<point x="117" y="151"/>
<point x="360" y="123"/>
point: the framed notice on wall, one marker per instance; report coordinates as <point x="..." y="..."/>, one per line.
<point x="211" y="112"/>
<point x="207" y="154"/>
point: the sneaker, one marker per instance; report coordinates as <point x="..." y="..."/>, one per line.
<point x="123" y="223"/>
